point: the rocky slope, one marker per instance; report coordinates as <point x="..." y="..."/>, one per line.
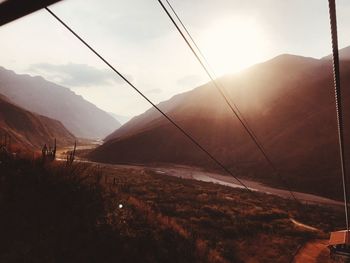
<point x="38" y="95"/>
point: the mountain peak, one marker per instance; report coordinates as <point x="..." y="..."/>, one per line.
<point x="288" y="103"/>
<point x="43" y="97"/>
<point x="344" y="54"/>
<point x="290" y="58"/>
<point x="28" y="129"/>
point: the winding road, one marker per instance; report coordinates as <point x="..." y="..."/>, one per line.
<point x="314" y="251"/>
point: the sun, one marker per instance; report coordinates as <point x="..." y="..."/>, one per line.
<point x="233" y="44"/>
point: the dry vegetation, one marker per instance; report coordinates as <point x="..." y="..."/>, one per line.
<point x="53" y="213"/>
<point x="223" y="224"/>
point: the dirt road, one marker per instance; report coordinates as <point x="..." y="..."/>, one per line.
<point x="315" y="251"/>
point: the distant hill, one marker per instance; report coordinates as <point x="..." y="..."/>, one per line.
<point x="120" y="118"/>
<point x="289" y="103"/>
<point x="35" y="94"/>
<point x="344" y="54"/>
<point x="30" y="130"/>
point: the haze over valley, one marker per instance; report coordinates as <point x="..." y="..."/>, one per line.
<point x="80" y="117"/>
<point x="291" y="114"/>
<point x="174" y="131"/>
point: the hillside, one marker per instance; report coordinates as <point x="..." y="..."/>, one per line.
<point x="344" y="54"/>
<point x="30" y="130"/>
<point x="289" y="103"/>
<point x="35" y="94"/>
<point x="88" y="213"/>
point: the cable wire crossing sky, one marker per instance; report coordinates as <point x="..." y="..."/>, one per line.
<point x="137" y="36"/>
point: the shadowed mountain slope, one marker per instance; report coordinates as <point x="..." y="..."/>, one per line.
<point x="288" y="101"/>
<point x="344" y="54"/>
<point x="35" y="94"/>
<point x="29" y="130"/>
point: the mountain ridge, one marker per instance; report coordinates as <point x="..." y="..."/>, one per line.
<point x="289" y="103"/>
<point x="40" y="96"/>
<point x="28" y="130"/>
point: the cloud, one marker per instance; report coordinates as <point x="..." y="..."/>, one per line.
<point x="77" y="75"/>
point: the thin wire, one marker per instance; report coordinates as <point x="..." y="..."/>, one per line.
<point x="211" y="69"/>
<point x="207" y="63"/>
<point x="338" y="102"/>
<point x="148" y="100"/>
<point x="244" y="124"/>
<point x="215" y="77"/>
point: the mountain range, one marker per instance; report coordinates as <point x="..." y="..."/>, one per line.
<point x="29" y="130"/>
<point x="288" y="102"/>
<point x="42" y="97"/>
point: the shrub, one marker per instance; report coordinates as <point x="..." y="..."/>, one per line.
<point x="53" y="214"/>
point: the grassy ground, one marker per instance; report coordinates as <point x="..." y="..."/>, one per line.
<point x="84" y="213"/>
<point x="224" y="224"/>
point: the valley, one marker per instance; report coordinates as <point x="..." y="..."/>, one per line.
<point x="210" y="176"/>
<point x="292" y="115"/>
<point x="142" y="190"/>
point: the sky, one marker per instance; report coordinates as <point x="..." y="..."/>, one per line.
<point x="138" y="39"/>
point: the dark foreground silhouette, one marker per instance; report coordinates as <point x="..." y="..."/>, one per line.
<point x="85" y="213"/>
